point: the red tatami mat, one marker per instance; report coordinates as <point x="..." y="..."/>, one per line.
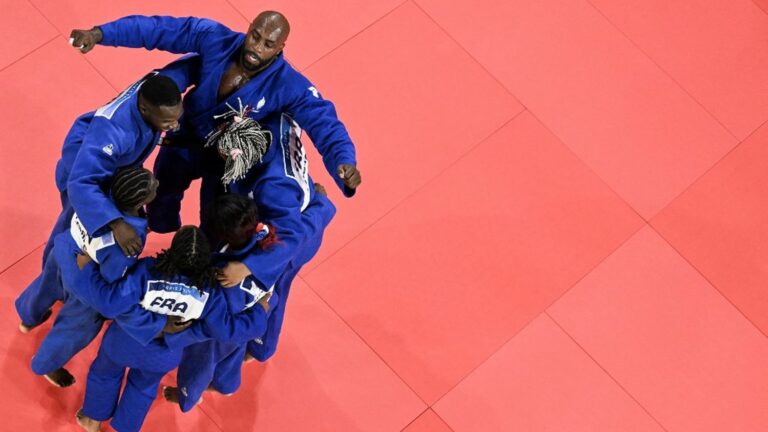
<point x="700" y="43"/>
<point x="670" y="339"/>
<point x="18" y="17"/>
<point x="450" y="274"/>
<point x="720" y="226"/>
<point x="413" y="108"/>
<point x="561" y="225"/>
<point x="642" y="133"/>
<point x="542" y="381"/>
<point x="762" y="4"/>
<point x="428" y="421"/>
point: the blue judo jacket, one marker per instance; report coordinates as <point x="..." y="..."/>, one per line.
<point x="279" y="88"/>
<point x="103" y="141"/>
<point x="140" y="302"/>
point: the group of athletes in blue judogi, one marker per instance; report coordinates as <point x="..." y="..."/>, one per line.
<point x="217" y="296"/>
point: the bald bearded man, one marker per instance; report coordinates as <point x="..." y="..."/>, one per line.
<point x="247" y="68"/>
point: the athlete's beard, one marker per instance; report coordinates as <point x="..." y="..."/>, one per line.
<point x="247" y="65"/>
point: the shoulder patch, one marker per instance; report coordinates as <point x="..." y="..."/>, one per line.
<point x="109" y="109"/>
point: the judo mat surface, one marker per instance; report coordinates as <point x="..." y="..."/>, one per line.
<point x="562" y="226"/>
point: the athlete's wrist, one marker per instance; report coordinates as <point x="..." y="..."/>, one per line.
<point x="97" y="33"/>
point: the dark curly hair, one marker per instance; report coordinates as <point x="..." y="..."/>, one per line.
<point x="188" y="256"/>
<point x="230" y="213"/>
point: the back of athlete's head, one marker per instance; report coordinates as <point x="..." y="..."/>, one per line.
<point x="235" y="219"/>
<point x="159" y="90"/>
<point x="189" y="256"/>
<point x="133" y="187"/>
<point x="242" y="143"/>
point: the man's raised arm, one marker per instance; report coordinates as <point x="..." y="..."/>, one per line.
<point x="176" y="35"/>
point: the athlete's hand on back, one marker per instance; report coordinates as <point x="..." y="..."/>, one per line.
<point x="126" y="237"/>
<point x="320" y="189"/>
<point x="264" y="301"/>
<point x="350" y="175"/>
<point x="83" y="259"/>
<point x="85" y="40"/>
<point x="174" y="324"/>
<point x="233" y="274"/>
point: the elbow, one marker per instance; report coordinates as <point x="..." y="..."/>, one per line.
<point x="110" y="310"/>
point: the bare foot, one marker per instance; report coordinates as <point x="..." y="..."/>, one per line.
<point x="87" y="423"/>
<point x="171" y="394"/>
<point x="26" y="328"/>
<point x="60" y="378"/>
<point x="248" y="358"/>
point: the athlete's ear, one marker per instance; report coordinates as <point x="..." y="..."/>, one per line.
<point x="142" y="105"/>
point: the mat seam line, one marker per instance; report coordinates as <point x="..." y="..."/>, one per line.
<point x="708" y="281"/>
<point x="664" y="71"/>
<point x="616" y="381"/>
<point x="29" y="53"/>
<point x="543" y="310"/>
<point x="345" y="41"/>
<point x="427" y="182"/>
<point x="365" y="342"/>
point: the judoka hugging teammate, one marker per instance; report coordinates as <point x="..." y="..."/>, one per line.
<point x="271" y="270"/>
<point x="120" y="134"/>
<point x="241" y="69"/>
<point x="236" y="217"/>
<point x="247" y="71"/>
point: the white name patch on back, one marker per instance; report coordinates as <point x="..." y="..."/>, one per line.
<point x="174" y="298"/>
<point x="294" y="156"/>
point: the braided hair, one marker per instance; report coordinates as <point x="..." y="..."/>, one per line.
<point x="241" y="141"/>
<point x="188" y="256"/>
<point x="130" y="187"/>
<point x="236" y="216"/>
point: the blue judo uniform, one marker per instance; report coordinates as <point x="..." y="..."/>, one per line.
<point x="120" y="349"/>
<point x="218" y="363"/>
<point x="282" y="189"/>
<point x="279" y="88"/>
<point x="77" y="323"/>
<point x="98" y="144"/>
